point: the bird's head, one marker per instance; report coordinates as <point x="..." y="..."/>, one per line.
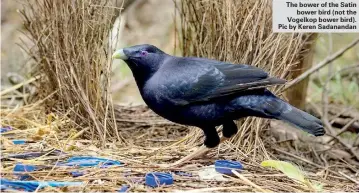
<point x="140" y="56"/>
<point x="143" y="60"/>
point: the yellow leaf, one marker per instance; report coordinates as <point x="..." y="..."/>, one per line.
<point x="292" y="172"/>
<point x="287" y="168"/>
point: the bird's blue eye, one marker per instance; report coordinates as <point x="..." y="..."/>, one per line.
<point x="144" y="53"/>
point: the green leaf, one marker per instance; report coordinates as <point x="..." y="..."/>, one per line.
<point x="292" y="172"/>
<point x="287" y="168"/>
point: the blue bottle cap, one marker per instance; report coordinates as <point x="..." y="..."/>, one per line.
<point x="155" y="179"/>
<point x="225" y="166"/>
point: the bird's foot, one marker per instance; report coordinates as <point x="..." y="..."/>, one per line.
<point x="229" y="129"/>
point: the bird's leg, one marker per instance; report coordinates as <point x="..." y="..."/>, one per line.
<point x="211" y="140"/>
<point x="211" y="137"/>
<point x="229" y="128"/>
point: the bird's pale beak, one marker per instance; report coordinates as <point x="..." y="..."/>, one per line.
<point x="119" y="54"/>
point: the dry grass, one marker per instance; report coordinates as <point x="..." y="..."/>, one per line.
<point x="72" y="53"/>
<point x="153" y="140"/>
<point x="241" y="32"/>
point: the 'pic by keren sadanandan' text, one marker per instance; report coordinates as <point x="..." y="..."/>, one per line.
<point x="326" y="26"/>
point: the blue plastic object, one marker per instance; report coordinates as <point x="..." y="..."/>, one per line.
<point x="31" y="186"/>
<point x="5" y="129"/>
<point x="19" y="141"/>
<point x="19" y="168"/>
<point x="88" y="161"/>
<point x="3" y="187"/>
<point x="123" y="188"/>
<point x="24" y="168"/>
<point x="155" y="179"/>
<point x="225" y="166"/>
<point x="77" y="173"/>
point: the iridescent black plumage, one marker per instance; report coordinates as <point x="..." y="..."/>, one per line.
<point x="207" y="93"/>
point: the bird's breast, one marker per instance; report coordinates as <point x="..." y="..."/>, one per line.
<point x="194" y="115"/>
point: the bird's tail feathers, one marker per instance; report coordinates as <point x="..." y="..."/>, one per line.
<point x="304" y="121"/>
<point x="274" y="107"/>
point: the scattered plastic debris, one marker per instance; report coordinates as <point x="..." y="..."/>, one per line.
<point x="77" y="173"/>
<point x="3" y="187"/>
<point x="19" y="141"/>
<point x="155" y="179"/>
<point x="210" y="173"/>
<point x="26" y="155"/>
<point x="88" y="161"/>
<point x="124" y="188"/>
<point x="225" y="166"/>
<point x="5" y="129"/>
<point x="31" y="186"/>
<point x="83" y="161"/>
<point x="24" y="168"/>
<point x="20" y="168"/>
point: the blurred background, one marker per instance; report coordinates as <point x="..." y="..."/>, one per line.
<point x="153" y="22"/>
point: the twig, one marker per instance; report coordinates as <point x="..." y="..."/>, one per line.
<point x="351" y="148"/>
<point x="321" y="64"/>
<point x="339" y="114"/>
<point x="349" y="178"/>
<point x="345" y="128"/>
<point x="300" y="158"/>
<point x="247" y="181"/>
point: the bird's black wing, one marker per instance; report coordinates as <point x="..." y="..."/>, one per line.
<point x="196" y="80"/>
<point x="240" y="78"/>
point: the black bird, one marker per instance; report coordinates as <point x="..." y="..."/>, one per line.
<point x="207" y="93"/>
